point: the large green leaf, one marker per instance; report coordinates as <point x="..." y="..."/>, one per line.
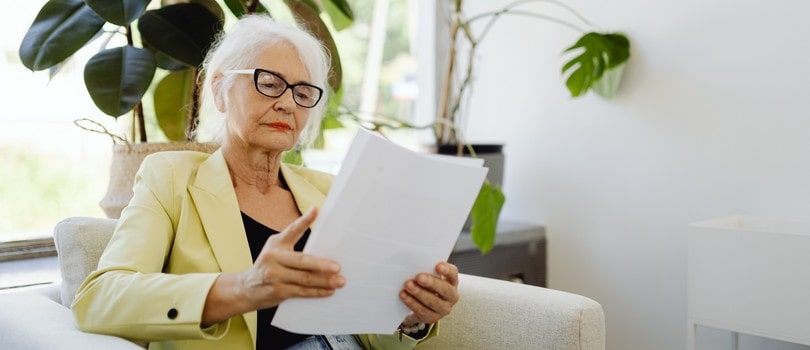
<point x="239" y="8"/>
<point x="173" y="103"/>
<point x="60" y="29"/>
<point x="121" y="12"/>
<point x="484" y="215"/>
<point x="184" y="32"/>
<point x="599" y="52"/>
<point x="339" y="12"/>
<point x="118" y="78"/>
<point x="212" y="6"/>
<point x="164" y="61"/>
<point x="312" y="21"/>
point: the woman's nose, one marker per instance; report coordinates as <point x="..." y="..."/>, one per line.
<point x="286" y="101"/>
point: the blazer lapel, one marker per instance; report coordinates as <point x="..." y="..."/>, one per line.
<point x="213" y="194"/>
<point x="306" y="195"/>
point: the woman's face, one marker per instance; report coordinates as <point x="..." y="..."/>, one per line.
<point x="256" y="121"/>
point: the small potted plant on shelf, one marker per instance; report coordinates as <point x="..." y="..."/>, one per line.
<point x="165" y="46"/>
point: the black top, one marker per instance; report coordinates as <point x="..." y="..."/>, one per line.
<point x="267" y="336"/>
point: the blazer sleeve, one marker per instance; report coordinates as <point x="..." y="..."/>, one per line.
<point x="128" y="295"/>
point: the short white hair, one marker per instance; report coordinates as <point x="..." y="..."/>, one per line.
<point x="240" y="47"/>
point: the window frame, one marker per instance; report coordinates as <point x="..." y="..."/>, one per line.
<point x="27" y="249"/>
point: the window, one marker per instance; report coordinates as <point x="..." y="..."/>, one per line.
<point x="51" y="169"/>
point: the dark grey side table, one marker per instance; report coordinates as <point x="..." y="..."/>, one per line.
<point x="519" y="254"/>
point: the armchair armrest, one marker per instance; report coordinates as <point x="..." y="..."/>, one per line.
<point x="33" y="318"/>
<point x="496" y="314"/>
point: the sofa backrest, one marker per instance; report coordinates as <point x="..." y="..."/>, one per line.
<point x="79" y="242"/>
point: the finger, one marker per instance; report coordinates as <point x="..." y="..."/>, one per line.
<point x="448" y="271"/>
<point x="421" y="312"/>
<point x="437" y="286"/>
<point x="294" y="231"/>
<point x="288" y="291"/>
<point x="309" y="279"/>
<point x="430" y="299"/>
<point x="305" y="262"/>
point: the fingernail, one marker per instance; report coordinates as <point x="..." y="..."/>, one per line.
<point x="334" y="267"/>
<point x="410" y="286"/>
<point x="423" y="280"/>
<point x="442" y="269"/>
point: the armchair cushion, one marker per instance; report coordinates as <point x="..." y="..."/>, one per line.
<point x="79" y="242"/>
<point x="496" y="314"/>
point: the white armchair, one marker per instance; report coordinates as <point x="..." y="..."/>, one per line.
<point x="491" y="314"/>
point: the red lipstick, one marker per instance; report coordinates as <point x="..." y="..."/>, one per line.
<point x="280" y="126"/>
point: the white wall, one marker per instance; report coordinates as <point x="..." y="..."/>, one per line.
<point x="712" y="120"/>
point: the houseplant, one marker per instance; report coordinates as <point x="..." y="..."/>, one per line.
<point x="173" y="38"/>
<point x="165" y="46"/>
<point x="596" y="64"/>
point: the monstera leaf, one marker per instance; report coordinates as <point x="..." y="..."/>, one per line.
<point x="598" y="53"/>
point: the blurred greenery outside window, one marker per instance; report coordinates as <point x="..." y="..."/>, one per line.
<point x="51" y="169"/>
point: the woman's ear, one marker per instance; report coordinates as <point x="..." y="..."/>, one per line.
<point x="217" y="92"/>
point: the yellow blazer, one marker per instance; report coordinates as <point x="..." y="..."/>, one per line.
<point x="181" y="229"/>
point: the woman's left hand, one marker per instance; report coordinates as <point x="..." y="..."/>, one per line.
<point x="431" y="297"/>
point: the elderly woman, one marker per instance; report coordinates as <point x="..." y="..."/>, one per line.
<point x="210" y="245"/>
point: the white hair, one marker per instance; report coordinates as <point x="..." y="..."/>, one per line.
<point x="240" y="47"/>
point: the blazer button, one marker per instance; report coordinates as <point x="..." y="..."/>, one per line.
<point x="172" y="314"/>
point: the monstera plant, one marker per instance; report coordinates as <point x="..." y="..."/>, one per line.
<point x="173" y="36"/>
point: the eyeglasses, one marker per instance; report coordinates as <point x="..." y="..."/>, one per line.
<point x="271" y="84"/>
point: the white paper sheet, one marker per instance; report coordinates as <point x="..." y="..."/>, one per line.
<point x="390" y="214"/>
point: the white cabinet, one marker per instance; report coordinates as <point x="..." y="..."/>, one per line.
<point x="750" y="275"/>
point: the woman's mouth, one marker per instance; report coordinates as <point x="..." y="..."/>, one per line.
<point x="279" y="126"/>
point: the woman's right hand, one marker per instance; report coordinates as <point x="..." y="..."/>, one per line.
<point x="279" y="273"/>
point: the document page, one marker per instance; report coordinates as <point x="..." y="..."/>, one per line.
<point x="391" y="213"/>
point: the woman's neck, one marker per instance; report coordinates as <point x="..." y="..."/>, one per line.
<point x="253" y="167"/>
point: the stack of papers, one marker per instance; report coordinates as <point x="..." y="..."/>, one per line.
<point x="391" y="213"/>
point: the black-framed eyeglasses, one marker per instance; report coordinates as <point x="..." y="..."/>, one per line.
<point x="271" y="84"/>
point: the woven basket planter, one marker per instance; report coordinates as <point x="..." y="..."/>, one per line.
<point x="127" y="159"/>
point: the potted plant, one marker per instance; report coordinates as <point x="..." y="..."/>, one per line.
<point x="165" y="46"/>
<point x="597" y="65"/>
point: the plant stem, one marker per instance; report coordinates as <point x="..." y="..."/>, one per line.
<point x="466" y="83"/>
<point x="444" y="133"/>
<point x="508" y="9"/>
